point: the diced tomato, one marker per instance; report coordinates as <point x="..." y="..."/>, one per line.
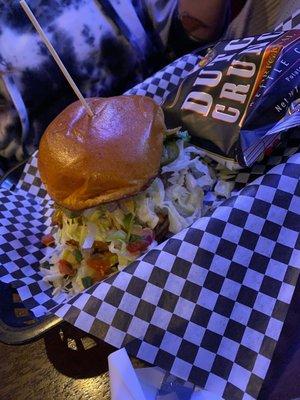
<point x="48" y="240"/>
<point x="141" y="242"/>
<point x="98" y="275"/>
<point x="98" y="263"/>
<point x="101" y="265"/>
<point x="137" y="246"/>
<point x="65" y="267"/>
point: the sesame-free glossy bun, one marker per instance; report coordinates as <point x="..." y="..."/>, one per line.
<point x="85" y="161"/>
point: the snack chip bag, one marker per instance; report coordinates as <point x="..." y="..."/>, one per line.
<point x="241" y="97"/>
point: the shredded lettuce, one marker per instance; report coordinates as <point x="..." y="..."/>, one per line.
<point x="184" y="158"/>
<point x="146" y="212"/>
<point x="91" y="235"/>
<point x="124" y="225"/>
<point x="224" y="188"/>
<point x="116" y="235"/>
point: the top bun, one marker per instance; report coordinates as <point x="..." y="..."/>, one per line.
<point x="85" y="161"/>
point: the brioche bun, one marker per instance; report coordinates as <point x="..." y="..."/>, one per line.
<point x="86" y="161"/>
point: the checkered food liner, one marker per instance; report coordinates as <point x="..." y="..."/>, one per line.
<point x="208" y="305"/>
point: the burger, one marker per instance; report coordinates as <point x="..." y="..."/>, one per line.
<point x="120" y="183"/>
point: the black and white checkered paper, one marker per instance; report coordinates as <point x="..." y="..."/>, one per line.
<point x="290" y="23"/>
<point x="208" y="305"/>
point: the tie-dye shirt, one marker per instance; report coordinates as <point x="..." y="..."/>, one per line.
<point x="107" y="46"/>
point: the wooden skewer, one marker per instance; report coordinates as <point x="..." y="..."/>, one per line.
<point x="56" y="57"/>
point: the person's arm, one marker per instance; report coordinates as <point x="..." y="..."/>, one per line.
<point x="203" y="20"/>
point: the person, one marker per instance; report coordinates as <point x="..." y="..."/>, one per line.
<point x="107" y="46"/>
<point x="204" y="22"/>
<point x="248" y="18"/>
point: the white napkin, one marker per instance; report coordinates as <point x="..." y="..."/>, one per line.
<point x="126" y="383"/>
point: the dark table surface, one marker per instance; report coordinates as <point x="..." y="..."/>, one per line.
<point x="66" y="364"/>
